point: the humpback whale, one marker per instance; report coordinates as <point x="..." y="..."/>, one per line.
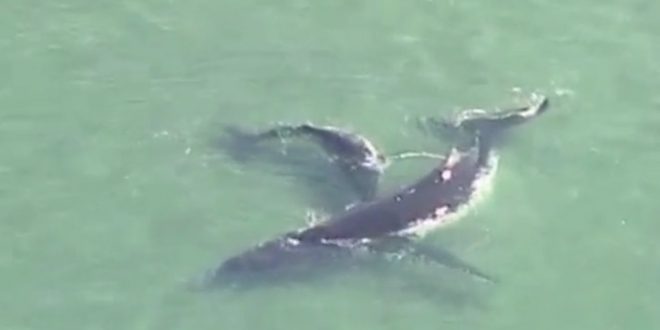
<point x="361" y="162"/>
<point x="390" y="224"/>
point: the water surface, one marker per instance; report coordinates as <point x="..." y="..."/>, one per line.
<point x="114" y="193"/>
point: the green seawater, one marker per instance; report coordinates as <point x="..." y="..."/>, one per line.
<point x="114" y="193"/>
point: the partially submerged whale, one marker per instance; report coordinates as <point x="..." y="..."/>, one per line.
<point x="389" y="224"/>
<point x="358" y="158"/>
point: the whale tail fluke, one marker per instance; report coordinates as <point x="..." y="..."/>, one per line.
<point x="483" y="122"/>
<point x="243" y="143"/>
<point x="487" y="129"/>
<point x="482" y="129"/>
<point x="491" y="124"/>
<point x="238" y="142"/>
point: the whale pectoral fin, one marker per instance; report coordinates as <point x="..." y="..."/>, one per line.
<point x="404" y="247"/>
<point x="446" y="258"/>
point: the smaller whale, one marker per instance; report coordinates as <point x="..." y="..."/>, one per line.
<point x="357" y="157"/>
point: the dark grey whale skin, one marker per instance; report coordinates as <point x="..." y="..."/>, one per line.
<point x="376" y="226"/>
<point x="354" y="155"/>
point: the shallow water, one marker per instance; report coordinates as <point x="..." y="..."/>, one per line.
<point x="114" y="193"/>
